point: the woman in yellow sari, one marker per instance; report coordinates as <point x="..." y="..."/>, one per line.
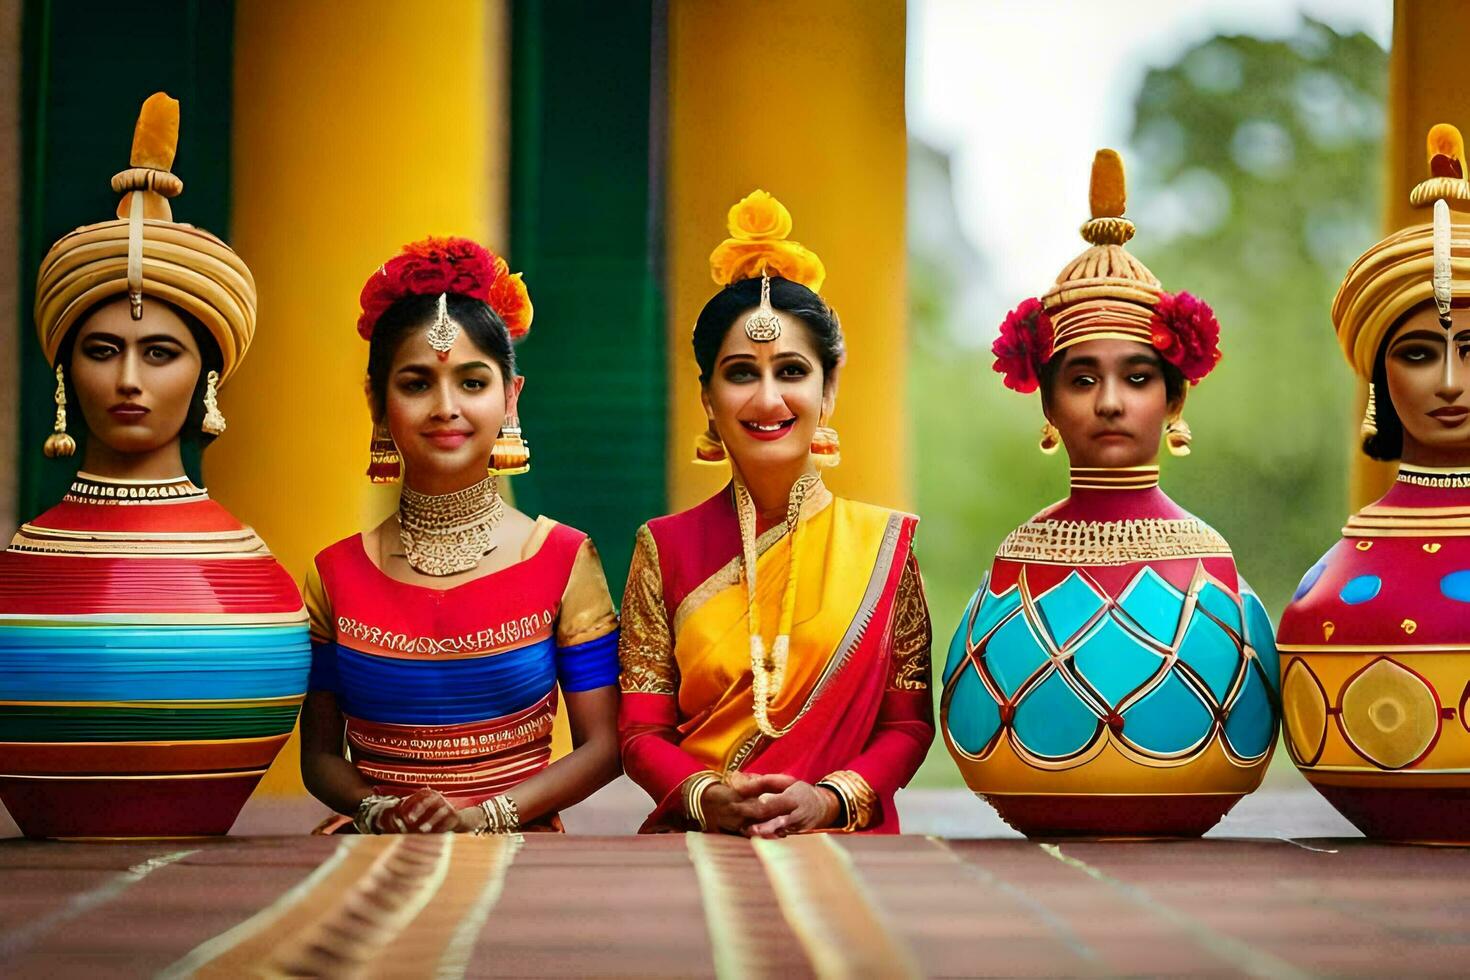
<point x="775" y="646"/>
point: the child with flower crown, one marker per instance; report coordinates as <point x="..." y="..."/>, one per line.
<point x="1113" y="674"/>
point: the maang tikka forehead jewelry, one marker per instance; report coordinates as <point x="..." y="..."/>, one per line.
<point x="763" y="325"/>
<point x="443" y="331"/>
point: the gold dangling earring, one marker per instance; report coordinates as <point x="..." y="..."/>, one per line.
<point x="1051" y="440"/>
<point x="384" y="463"/>
<point x="1369" y="428"/>
<point x="708" y="448"/>
<point x="511" y="455"/>
<point x="58" y="443"/>
<point x="1177" y="437"/>
<point x="826" y="447"/>
<point x="214" y="419"/>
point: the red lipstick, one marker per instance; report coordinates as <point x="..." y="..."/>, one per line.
<point x="764" y="432"/>
<point x="1451" y="415"/>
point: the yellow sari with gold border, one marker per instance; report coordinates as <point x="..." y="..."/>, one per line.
<point x="856" y="693"/>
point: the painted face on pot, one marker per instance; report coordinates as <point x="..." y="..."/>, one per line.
<point x="767" y="398"/>
<point x="1109" y="401"/>
<point x="135" y="379"/>
<point x="444" y="413"/>
<point x="1428" y="373"/>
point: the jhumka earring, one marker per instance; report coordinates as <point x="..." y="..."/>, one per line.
<point x="826" y="447"/>
<point x="58" y="443"/>
<point x="1051" y="440"/>
<point x="214" y="419"/>
<point x="1369" y="428"/>
<point x="384" y="463"/>
<point x="510" y="455"/>
<point x="1177" y="437"/>
<point x="708" y="448"/>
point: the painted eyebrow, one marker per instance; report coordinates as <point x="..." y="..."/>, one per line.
<point x="1412" y="335"/>
<point x="473" y="366"/>
<point x="154" y="338"/>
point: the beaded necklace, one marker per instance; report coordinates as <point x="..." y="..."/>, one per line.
<point x="768" y="672"/>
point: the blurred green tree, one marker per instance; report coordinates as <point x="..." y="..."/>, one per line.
<point x="1255" y="176"/>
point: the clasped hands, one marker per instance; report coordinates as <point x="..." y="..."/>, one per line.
<point x="427" y="811"/>
<point x="768" y="805"/>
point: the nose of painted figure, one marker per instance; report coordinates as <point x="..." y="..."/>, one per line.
<point x="129" y="379"/>
<point x="1452" y="379"/>
<point x="1109" y="402"/>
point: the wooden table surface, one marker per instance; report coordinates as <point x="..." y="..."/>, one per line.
<point x="1258" y="897"/>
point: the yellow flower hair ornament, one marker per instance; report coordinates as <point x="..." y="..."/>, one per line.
<point x="758" y="246"/>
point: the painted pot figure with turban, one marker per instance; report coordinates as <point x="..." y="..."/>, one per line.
<point x="1376" y="642"/>
<point x="153" y="654"/>
<point x="1113" y="674"/>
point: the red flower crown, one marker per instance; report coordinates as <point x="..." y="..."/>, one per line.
<point x="1023" y="346"/>
<point x="1183" y="330"/>
<point x="1187" y="335"/>
<point x="447" y="265"/>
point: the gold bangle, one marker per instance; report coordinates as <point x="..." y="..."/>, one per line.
<point x="857" y="796"/>
<point x="369" y="809"/>
<point x="501" y="816"/>
<point x="693" y="791"/>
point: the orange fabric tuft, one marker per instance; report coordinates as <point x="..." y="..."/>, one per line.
<point x="156" y="137"/>
<point x="1108" y="192"/>
<point x="758" y="245"/>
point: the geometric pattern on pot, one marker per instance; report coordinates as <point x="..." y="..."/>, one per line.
<point x="1157" y="672"/>
<point x="1389" y="714"/>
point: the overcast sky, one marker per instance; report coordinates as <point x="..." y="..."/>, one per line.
<point x="1023" y="93"/>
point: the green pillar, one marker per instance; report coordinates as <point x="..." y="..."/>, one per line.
<point x="586" y="222"/>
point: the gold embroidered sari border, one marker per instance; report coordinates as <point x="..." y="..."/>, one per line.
<point x="729" y="573"/>
<point x="856" y="629"/>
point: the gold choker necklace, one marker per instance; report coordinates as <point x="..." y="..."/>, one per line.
<point x="88" y="488"/>
<point x="448" y="533"/>
<point x="1443" y="477"/>
<point x="1115" y="477"/>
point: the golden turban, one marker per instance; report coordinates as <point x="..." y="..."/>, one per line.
<point x="144" y="252"/>
<point x="1396" y="275"/>
<point x="1104" y="293"/>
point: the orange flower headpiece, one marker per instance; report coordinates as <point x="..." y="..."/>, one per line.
<point x="438" y="266"/>
<point x="758" y="246"/>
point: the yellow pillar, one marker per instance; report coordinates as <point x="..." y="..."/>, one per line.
<point x="1425" y="86"/>
<point x="356" y="129"/>
<point x="805" y="100"/>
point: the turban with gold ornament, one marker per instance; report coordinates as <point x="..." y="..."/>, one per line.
<point x="1393" y="277"/>
<point x="1106" y="294"/>
<point x="145" y="253"/>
